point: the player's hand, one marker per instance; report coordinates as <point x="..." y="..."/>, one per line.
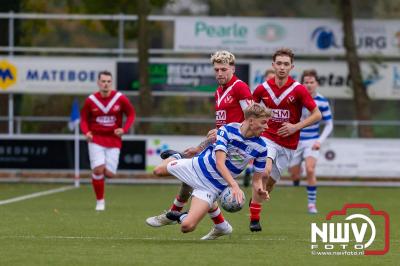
<point x="237" y="193"/>
<point x="287" y="129"/>
<point x="263" y="194"/>
<point x="89" y="136"/>
<point x="119" y="132"/>
<point x="212" y="135"/>
<point x="316" y="146"/>
<point x="191" y="152"/>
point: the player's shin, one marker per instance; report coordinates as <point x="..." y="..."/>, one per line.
<point x="98" y="186"/>
<point x="180" y="200"/>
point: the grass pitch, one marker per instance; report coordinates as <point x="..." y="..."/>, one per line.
<point x="64" y="228"/>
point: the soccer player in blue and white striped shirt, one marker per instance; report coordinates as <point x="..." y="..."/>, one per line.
<point x="218" y="165"/>
<point x="311" y="140"/>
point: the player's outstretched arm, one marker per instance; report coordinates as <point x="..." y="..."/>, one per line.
<point x="193" y="151"/>
<point x="259" y="193"/>
<point x="220" y="157"/>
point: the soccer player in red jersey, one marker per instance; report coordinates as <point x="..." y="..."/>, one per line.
<point x="101" y="122"/>
<point x="286" y="98"/>
<point x="231" y="98"/>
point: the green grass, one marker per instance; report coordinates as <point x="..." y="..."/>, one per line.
<point x="64" y="229"/>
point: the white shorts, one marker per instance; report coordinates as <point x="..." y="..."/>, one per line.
<point x="303" y="151"/>
<point x="184" y="171"/>
<point x="99" y="155"/>
<point x="280" y="156"/>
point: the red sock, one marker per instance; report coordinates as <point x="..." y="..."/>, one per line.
<point x="98" y="186"/>
<point x="255" y="209"/>
<point x="178" y="204"/>
<point x="216" y="215"/>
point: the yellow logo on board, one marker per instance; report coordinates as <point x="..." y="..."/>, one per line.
<point x="8" y="74"/>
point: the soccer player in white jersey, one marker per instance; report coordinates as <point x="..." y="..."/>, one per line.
<point x="101" y="122"/>
<point x="310" y="140"/>
<point x="215" y="168"/>
<point x="232" y="96"/>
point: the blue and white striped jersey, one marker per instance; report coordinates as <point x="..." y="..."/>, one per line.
<point x="240" y="151"/>
<point x="312" y="131"/>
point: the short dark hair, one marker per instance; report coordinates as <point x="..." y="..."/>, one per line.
<point x="104" y="72"/>
<point x="269" y="71"/>
<point x="309" y="73"/>
<point x="283" y="52"/>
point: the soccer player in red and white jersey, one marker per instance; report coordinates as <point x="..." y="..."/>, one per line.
<point x="286" y="98"/>
<point x="101" y="122"/>
<point x="232" y="97"/>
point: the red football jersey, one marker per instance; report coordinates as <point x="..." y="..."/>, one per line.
<point x="286" y="104"/>
<point x="227" y="101"/>
<point x="102" y="116"/>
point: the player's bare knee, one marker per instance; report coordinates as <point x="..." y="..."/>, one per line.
<point x="160" y="170"/>
<point x="99" y="170"/>
<point x="187" y="227"/>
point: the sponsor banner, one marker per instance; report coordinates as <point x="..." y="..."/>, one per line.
<point x="338" y="157"/>
<point x="382" y="80"/>
<point x="52" y="75"/>
<point x="264" y="35"/>
<point x="59" y="154"/>
<point x="174" y="76"/>
<point x="157" y="144"/>
<point x="359" y="158"/>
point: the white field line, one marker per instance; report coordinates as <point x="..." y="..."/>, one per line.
<point x="35" y="195"/>
<point x="124" y="238"/>
<point x="156" y="238"/>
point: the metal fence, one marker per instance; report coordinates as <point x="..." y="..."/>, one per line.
<point x="342" y="128"/>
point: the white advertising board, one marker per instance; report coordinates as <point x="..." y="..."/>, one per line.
<point x="382" y="80"/>
<point x="156" y="144"/>
<point x="52" y="75"/>
<point x="359" y="158"/>
<point x="264" y="35"/>
<point x="378" y="158"/>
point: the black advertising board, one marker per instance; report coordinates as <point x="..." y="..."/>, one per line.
<point x="174" y="77"/>
<point x="59" y="154"/>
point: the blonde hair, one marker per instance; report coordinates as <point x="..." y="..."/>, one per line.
<point x="223" y="57"/>
<point x="257" y="110"/>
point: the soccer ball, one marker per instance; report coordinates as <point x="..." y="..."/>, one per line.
<point x="228" y="202"/>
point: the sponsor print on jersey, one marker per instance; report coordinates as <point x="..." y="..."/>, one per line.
<point x="106" y="120"/>
<point x="220" y="115"/>
<point x="280" y="115"/>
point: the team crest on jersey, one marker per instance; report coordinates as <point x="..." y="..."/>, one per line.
<point x="174" y="163"/>
<point x="116" y="108"/>
<point x="291" y="99"/>
<point x="228" y="99"/>
<point x="249" y="150"/>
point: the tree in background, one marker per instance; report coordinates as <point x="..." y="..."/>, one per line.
<point x="362" y="102"/>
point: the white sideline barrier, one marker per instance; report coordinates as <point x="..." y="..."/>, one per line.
<point x="366" y="158"/>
